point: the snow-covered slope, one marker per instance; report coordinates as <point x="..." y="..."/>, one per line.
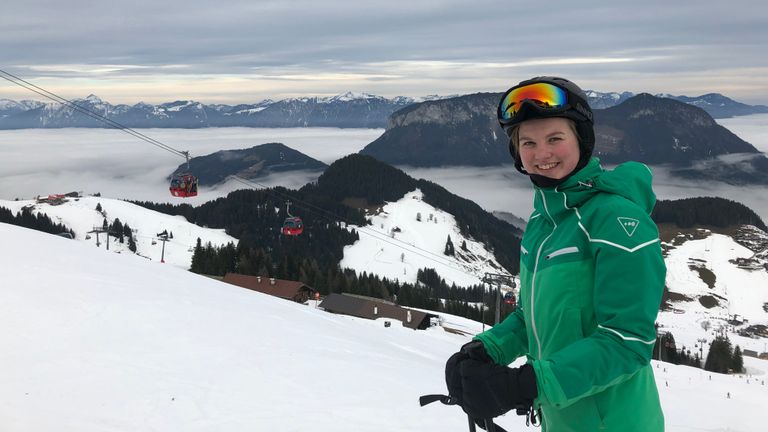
<point x="713" y="292"/>
<point x="397" y="245"/>
<point x="96" y="342"/>
<point x="80" y="215"/>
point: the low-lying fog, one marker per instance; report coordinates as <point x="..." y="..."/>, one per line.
<point x="45" y="161"/>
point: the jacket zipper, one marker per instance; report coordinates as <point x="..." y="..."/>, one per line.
<point x="535" y="269"/>
<point x="563" y="251"/>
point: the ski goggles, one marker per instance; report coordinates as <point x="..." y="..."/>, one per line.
<point x="544" y="95"/>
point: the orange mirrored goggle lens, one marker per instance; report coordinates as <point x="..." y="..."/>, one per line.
<point x="542" y="94"/>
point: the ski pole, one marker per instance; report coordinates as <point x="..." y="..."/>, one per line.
<point x="488" y="424"/>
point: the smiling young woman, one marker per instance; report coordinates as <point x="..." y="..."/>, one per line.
<point x="591" y="279"/>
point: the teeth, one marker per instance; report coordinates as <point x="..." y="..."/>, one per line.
<point x="548" y="166"/>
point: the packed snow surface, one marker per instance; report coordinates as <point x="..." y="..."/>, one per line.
<point x="95" y="341"/>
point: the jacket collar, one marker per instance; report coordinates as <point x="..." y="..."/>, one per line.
<point x="631" y="180"/>
<point x="558" y="202"/>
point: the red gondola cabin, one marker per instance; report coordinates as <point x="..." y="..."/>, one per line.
<point x="509" y="298"/>
<point x="183" y="185"/>
<point x="293" y="226"/>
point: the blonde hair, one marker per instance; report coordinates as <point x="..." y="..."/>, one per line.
<point x="514" y="136"/>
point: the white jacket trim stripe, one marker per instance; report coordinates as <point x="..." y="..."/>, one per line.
<point x="634" y="339"/>
<point x="636" y="248"/>
<point x="563" y="251"/>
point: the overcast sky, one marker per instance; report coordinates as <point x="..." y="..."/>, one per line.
<point x="248" y="50"/>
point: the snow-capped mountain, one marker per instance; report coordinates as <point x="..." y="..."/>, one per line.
<point x="104" y="341"/>
<point x="349" y="109"/>
<point x="719" y="106"/>
<point x="600" y="100"/>
<point x="715" y="104"/>
<point x="80" y="215"/>
<point x="10" y="107"/>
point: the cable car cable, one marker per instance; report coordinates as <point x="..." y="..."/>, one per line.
<point x="56" y="98"/>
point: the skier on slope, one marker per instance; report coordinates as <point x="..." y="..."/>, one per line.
<point x="592" y="276"/>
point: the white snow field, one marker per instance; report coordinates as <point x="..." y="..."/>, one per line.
<point x="95" y="341"/>
<point x="81" y="216"/>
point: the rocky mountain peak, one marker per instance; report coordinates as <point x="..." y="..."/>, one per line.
<point x="446" y="111"/>
<point x="93" y="99"/>
<point x="647" y="105"/>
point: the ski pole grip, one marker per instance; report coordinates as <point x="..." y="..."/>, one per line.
<point x="428" y="399"/>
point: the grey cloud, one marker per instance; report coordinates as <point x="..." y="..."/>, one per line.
<point x="334" y="36"/>
<point x="41" y="162"/>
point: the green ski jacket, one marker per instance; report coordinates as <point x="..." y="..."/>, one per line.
<point x="592" y="275"/>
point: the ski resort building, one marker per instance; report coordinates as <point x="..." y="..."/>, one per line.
<point x="370" y="308"/>
<point x="287" y="289"/>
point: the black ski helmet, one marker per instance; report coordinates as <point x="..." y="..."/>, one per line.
<point x="576" y="108"/>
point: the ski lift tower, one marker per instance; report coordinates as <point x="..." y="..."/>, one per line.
<point x="163" y="237"/>
<point x="497" y="280"/>
<point x="97" y="231"/>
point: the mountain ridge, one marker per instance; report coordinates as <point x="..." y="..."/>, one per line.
<point x="350" y="109"/>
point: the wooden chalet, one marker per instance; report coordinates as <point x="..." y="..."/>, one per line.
<point x="287" y="289"/>
<point x="56" y="199"/>
<point x="370" y="308"/>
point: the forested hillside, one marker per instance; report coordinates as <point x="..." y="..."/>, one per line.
<point x="39" y="222"/>
<point x="363" y="181"/>
<point x="705" y="211"/>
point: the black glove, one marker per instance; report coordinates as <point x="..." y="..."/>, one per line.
<point x="473" y="350"/>
<point x="490" y="390"/>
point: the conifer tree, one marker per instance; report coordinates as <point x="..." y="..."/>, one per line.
<point x="449" y="250"/>
<point x="117" y="230"/>
<point x="197" y="258"/>
<point x="127" y="231"/>
<point x="737" y="362"/>
<point x="720" y="357"/>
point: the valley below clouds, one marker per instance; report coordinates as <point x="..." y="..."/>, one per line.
<point x="115" y="164"/>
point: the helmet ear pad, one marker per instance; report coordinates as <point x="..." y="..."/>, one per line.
<point x="586" y="138"/>
<point x="516" y="156"/>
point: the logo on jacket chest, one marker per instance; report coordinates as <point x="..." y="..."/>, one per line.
<point x="628" y="224"/>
